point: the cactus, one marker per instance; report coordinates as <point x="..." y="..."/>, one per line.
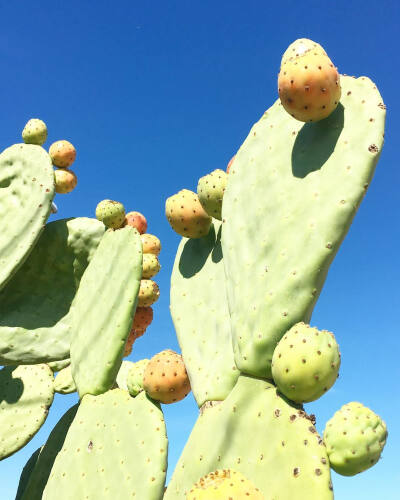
<point x="39" y="297"/>
<point x="65" y="180"/>
<point x="134" y="380"/>
<point x="224" y="483"/>
<point x="210" y="190"/>
<point x="64" y="383"/>
<point x="122" y="375"/>
<point x="186" y="215"/>
<point x="116" y="445"/>
<point x="301" y="47"/>
<point x="26" y="190"/>
<point x="56" y="366"/>
<point x="148" y="293"/>
<point x="26" y="473"/>
<point x="101" y="330"/>
<point x="136" y="220"/>
<point x="151" y="265"/>
<point x="305" y="363"/>
<point x="35" y="132"/>
<point x="111" y="213"/>
<point x="354" y="438"/>
<point x="165" y="378"/>
<point x="150" y="243"/>
<point x="62" y="154"/>
<point x="26" y="394"/>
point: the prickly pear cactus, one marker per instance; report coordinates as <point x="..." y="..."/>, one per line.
<point x="63" y="382"/>
<point x="26" y="193"/>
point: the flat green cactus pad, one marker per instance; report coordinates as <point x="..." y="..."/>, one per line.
<point x="39" y="475"/>
<point x="64" y="383"/>
<point x="103" y="310"/>
<point x="199" y="309"/>
<point x="292" y="193"/>
<point x="26" y="394"/>
<point x="56" y="366"/>
<point x="35" y="304"/>
<point x="116" y="447"/>
<point x="26" y="473"/>
<point x="26" y="192"/>
<point x="259" y="434"/>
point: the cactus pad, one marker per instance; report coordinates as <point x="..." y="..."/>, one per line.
<point x="101" y="322"/>
<point x="199" y="309"/>
<point x="222" y="485"/>
<point x="122" y="375"/>
<point x="294" y="188"/>
<point x="26" y="193"/>
<point x="26" y="473"/>
<point x="64" y="383"/>
<point x="56" y="366"/>
<point x="259" y="434"/>
<point x="116" y="445"/>
<point x="35" y="305"/>
<point x="26" y="393"/>
<point x="134" y="380"/>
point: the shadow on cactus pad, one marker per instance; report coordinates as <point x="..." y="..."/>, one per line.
<point x="315" y="142"/>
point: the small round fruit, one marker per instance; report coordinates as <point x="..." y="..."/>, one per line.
<point x="111" y="213"/>
<point x="165" y="377"/>
<point x="151" y="265"/>
<point x="35" y="132"/>
<point x="148" y="293"/>
<point x="65" y="180"/>
<point x="300" y="47"/>
<point x="150" y="244"/>
<point x="137" y="220"/>
<point x="142" y="319"/>
<point x="62" y="154"/>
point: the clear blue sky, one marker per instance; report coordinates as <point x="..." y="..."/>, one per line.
<point x="156" y="94"/>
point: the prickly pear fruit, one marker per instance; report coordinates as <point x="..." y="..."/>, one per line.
<point x="150" y="244"/>
<point x="137" y="220"/>
<point x="305" y="363"/>
<point x="111" y="213"/>
<point x="354" y="437"/>
<point x="300" y="47"/>
<point x="165" y="377"/>
<point x="148" y="293"/>
<point x="309" y="87"/>
<point x="186" y="215"/>
<point x="62" y="154"/>
<point x="224" y="485"/>
<point x="230" y="164"/>
<point x="135" y="377"/>
<point x="151" y="265"/>
<point x="142" y="319"/>
<point x="35" y="132"/>
<point x="210" y="191"/>
<point x="65" y="180"/>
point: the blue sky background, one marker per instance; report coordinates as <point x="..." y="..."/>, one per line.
<point x="155" y="95"/>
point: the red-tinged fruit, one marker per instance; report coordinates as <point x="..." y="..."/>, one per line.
<point x="137" y="220"/>
<point x="142" y="319"/>
<point x="309" y="87"/>
<point x="65" y="180"/>
<point x="165" y="377"/>
<point x="150" y="244"/>
<point x="62" y="154"/>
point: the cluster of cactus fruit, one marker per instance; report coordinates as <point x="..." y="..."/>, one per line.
<point x="257" y="244"/>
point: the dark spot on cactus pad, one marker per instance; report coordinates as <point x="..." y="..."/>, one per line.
<point x="296" y="471"/>
<point x="373" y="148"/>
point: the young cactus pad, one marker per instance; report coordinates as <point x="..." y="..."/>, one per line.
<point x="262" y="436"/>
<point x="116" y="446"/>
<point x="26" y="394"/>
<point x="294" y="188"/>
<point x="26" y="193"/>
<point x="64" y="383"/>
<point x="199" y="309"/>
<point x="100" y="327"/>
<point x="38" y="299"/>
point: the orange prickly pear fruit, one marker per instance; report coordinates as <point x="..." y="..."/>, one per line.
<point x="62" y="154"/>
<point x="150" y="243"/>
<point x="165" y="378"/>
<point x="137" y="220"/>
<point x="65" y="180"/>
<point x="186" y="215"/>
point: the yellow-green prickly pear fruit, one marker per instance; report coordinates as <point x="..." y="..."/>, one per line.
<point x="224" y="485"/>
<point x="35" y="132"/>
<point x="309" y="87"/>
<point x="300" y="47"/>
<point x="186" y="215"/>
<point x="150" y="244"/>
<point x="148" y="293"/>
<point x="305" y="363"/>
<point x="111" y="213"/>
<point x="151" y="265"/>
<point x="354" y="437"/>
<point x="210" y="190"/>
